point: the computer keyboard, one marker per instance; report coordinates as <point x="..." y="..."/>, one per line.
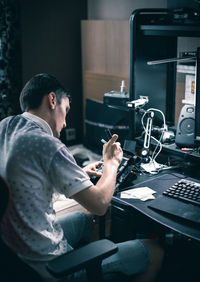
<point x="185" y="190"/>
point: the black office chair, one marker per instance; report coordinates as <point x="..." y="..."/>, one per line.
<point x="5" y="194"/>
<point x="12" y="268"/>
<point x="88" y="257"/>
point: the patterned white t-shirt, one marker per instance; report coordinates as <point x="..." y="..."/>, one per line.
<point x="36" y="165"/>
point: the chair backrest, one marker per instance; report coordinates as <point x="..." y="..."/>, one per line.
<point x="12" y="268"/>
<point x="4" y="196"/>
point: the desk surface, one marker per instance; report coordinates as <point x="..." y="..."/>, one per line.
<point x="159" y="183"/>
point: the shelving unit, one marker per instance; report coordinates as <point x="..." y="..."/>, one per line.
<point x="153" y="36"/>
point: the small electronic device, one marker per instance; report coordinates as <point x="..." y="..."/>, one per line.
<point x="124" y="173"/>
<point x="116" y="98"/>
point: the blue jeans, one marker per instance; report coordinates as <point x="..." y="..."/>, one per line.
<point x="76" y="228"/>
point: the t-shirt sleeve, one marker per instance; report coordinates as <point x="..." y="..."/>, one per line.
<point x="65" y="175"/>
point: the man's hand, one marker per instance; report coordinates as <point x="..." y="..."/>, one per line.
<point x="112" y="150"/>
<point x="91" y="169"/>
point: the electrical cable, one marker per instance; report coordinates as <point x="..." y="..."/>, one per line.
<point x="155" y="152"/>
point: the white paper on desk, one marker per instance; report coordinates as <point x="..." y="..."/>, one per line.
<point x="142" y="193"/>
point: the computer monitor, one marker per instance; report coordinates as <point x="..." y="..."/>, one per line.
<point x="197" y="103"/>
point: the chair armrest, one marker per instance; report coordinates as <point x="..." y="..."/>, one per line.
<point x="82" y="257"/>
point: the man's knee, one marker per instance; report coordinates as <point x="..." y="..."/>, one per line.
<point x="155" y="250"/>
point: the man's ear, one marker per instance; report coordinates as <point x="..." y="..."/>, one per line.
<point x="52" y="100"/>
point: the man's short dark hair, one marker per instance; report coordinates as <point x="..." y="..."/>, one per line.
<point x="37" y="87"/>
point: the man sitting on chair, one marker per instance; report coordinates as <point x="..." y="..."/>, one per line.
<point x="36" y="164"/>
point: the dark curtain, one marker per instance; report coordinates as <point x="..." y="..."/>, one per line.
<point x="10" y="57"/>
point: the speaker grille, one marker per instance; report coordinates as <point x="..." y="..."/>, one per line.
<point x="187" y="126"/>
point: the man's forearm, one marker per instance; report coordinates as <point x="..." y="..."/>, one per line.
<point x="97" y="197"/>
<point x="107" y="182"/>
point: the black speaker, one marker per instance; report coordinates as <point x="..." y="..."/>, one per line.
<point x="186" y="126"/>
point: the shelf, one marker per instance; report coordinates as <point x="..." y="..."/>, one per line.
<point x="171" y="30"/>
<point x="186" y="69"/>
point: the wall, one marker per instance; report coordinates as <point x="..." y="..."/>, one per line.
<point x="176" y="4"/>
<point x="119" y="9"/>
<point x="51" y="43"/>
